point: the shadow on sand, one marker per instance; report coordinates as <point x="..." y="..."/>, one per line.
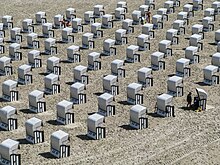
<point x="127" y="127"/>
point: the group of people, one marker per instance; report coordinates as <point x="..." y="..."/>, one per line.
<point x="146" y="19"/>
<point x="65" y="22"/>
<point x="195" y="105"/>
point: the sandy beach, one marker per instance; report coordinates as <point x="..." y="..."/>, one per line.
<point x="189" y="138"/>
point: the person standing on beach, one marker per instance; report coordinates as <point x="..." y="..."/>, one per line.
<point x="142" y="21"/>
<point x="148" y="17"/>
<point x="189" y="99"/>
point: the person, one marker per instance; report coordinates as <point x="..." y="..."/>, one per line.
<point x="148" y="17"/>
<point x="189" y="99"/>
<point x="68" y="23"/>
<point x="142" y="21"/>
<point x="62" y="22"/>
<point x="196" y="104"/>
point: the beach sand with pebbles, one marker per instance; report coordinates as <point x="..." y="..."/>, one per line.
<point x="188" y="138"/>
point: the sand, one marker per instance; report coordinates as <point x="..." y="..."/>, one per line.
<point x="189" y="138"/>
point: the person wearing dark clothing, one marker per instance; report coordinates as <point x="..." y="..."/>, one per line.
<point x="196" y="103"/>
<point x="142" y="21"/>
<point x="148" y="17"/>
<point x="189" y="99"/>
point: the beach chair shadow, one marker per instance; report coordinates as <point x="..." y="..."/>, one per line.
<point x="155" y="115"/>
<point x="84" y="137"/>
<point x="47" y="155"/>
<point x="127" y="127"/>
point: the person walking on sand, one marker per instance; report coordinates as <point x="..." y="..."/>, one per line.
<point x="148" y="17"/>
<point x="189" y="99"/>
